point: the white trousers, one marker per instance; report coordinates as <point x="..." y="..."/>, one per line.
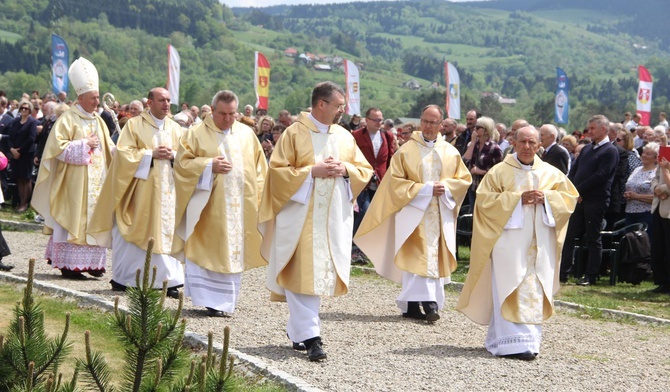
<point x="127" y="258"/>
<point x="212" y="289"/>
<point x="303" y="316"/>
<point x="417" y="288"/>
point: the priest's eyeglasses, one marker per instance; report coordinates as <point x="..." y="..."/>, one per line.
<point x="341" y="107"/>
<point x="429" y="123"/>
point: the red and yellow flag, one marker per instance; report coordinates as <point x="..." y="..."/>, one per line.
<point x="262" y="81"/>
<point x="644" y="96"/>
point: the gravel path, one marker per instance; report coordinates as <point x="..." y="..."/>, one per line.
<point x="371" y="348"/>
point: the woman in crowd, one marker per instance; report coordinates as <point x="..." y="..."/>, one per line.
<point x="269" y="144"/>
<point x="570" y="142"/>
<point x="21" y="142"/>
<point x="482" y="153"/>
<point x="355" y="122"/>
<point x="659" y="136"/>
<point x="660" y="222"/>
<point x="626" y="140"/>
<point x="638" y="193"/>
<point x="263" y="128"/>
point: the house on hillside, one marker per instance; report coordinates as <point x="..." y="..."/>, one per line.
<point x="322" y="67"/>
<point x="290" y="52"/>
<point x="305" y="59"/>
<point x="412" y="85"/>
<point x="499" y="98"/>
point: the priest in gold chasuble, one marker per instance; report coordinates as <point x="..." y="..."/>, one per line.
<point x="219" y="175"/>
<point x="76" y="157"/>
<point x="409" y="231"/>
<point x="306" y="215"/>
<point x="520" y="220"/>
<point x="137" y="201"/>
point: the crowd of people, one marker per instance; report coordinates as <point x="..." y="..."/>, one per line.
<point x="221" y="190"/>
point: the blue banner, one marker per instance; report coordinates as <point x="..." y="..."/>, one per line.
<point x="60" y="63"/>
<point x="562" y="106"/>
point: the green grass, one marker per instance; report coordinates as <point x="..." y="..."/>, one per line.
<point x="9" y="36"/>
<point x="102" y="334"/>
<point x="9" y="214"/>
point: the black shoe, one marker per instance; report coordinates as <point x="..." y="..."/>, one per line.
<point x="74" y="275"/>
<point x="430" y="308"/>
<point x="5" y="267"/>
<point x="414" y="312"/>
<point x="297" y="346"/>
<point x="525" y="356"/>
<point x="586" y="282"/>
<point x="211" y="312"/>
<point x="662" y="289"/>
<point x="96" y="273"/>
<point x="563" y="279"/>
<point x="117" y="286"/>
<point x="172" y="293"/>
<point x="315" y="349"/>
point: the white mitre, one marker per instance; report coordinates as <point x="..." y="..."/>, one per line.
<point x="83" y="76"/>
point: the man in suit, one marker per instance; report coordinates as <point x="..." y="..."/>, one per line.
<point x="463" y="139"/>
<point x="554" y="154"/>
<point x="377" y="146"/>
<point x="592" y="174"/>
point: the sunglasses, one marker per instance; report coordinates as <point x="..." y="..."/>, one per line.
<point x="479" y="127"/>
<point x="24" y="108"/>
<point x="619" y="139"/>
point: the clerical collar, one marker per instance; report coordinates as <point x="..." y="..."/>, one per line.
<point x="429" y="143"/>
<point x="321" y="127"/>
<point x="523" y="165"/>
<point x="86" y="114"/>
<point x="159" y="122"/>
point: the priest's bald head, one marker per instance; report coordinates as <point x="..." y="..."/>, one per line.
<point x="526" y="144"/>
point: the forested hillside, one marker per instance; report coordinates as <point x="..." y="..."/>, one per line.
<point x="510" y="47"/>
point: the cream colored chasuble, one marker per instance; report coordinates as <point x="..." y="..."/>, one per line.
<point x="431" y="166"/>
<point x="518" y="242"/>
<point x="233" y="187"/>
<point x="167" y="193"/>
<point x="96" y="170"/>
<point x="324" y="145"/>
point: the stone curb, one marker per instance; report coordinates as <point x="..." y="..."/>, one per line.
<point x="457" y="286"/>
<point x="248" y="362"/>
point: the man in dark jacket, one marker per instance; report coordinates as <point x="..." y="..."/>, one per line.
<point x="592" y="175"/>
<point x="463" y="139"/>
<point x="554" y="154"/>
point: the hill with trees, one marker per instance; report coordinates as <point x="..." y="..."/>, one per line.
<point x="507" y="47"/>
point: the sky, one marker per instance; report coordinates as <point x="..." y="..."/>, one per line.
<point x="267" y="3"/>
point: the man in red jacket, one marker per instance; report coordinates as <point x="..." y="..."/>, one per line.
<point x="377" y="147"/>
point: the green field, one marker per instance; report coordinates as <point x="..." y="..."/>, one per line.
<point x="9" y="36"/>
